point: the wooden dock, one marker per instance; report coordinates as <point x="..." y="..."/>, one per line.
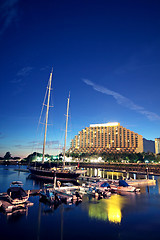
<point x="87" y="178"/>
<point x="138" y="168"/>
<point x="140" y="182"/>
<point x="21" y="170"/>
<point x="33" y="192"/>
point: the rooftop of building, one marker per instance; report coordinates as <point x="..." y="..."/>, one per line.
<point x="109" y="124"/>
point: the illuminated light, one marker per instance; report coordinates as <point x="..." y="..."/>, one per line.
<point x="109" y="124"/>
<point x="39" y="159"/>
<point x="115" y="173"/>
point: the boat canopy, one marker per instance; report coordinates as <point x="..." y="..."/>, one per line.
<point x="16" y="192"/>
<point x="105" y="184"/>
<point x="123" y="183"/>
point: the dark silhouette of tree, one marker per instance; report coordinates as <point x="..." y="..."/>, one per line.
<point x="7" y="156"/>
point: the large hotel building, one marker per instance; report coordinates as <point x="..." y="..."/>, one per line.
<point x="107" y="137"/>
<point x="157" y="145"/>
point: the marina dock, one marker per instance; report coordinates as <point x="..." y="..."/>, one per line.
<point x="133" y="182"/>
<point x="7" y="207"/>
<point x="140" y="182"/>
<point x="21" y="170"/>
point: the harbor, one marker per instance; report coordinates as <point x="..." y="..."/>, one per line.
<point x="94" y="186"/>
<point x="80" y="120"/>
<point x="98" y="192"/>
<point x="112" y="211"/>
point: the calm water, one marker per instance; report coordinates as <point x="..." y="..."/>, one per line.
<point x="131" y="216"/>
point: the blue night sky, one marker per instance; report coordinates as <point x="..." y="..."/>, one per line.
<point x="106" y="53"/>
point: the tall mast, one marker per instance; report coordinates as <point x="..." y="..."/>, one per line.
<point x="46" y="119"/>
<point x="66" y="131"/>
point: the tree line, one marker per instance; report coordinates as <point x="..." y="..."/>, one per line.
<point x="119" y="157"/>
<point x="86" y="157"/>
<point x="8" y="156"/>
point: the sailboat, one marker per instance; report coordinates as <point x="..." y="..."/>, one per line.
<point x="50" y="173"/>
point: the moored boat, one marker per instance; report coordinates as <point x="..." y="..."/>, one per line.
<point x="16" y="194"/>
<point x="48" y="195"/>
<point x="123" y="186"/>
<point x="42" y="172"/>
<point x="49" y="173"/>
<point x="69" y="195"/>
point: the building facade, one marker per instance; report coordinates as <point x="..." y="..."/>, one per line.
<point x="107" y="137"/>
<point x="157" y="145"/>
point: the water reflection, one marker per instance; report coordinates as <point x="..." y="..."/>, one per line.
<point x="97" y="172"/>
<point x="62" y="210"/>
<point x="108" y="209"/>
<point x="16" y="215"/>
<point x="39" y="221"/>
<point x="158" y="183"/>
<point x="119" y="214"/>
<point x="103" y="173"/>
<point x="98" y="210"/>
<point x="114" y="208"/>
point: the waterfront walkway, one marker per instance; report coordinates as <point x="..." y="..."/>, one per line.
<point x="141" y="168"/>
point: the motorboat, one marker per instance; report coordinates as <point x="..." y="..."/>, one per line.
<point x="118" y="186"/>
<point x="69" y="195"/>
<point x="123" y="186"/>
<point x="97" y="192"/>
<point x="49" y="195"/>
<point x="16" y="194"/>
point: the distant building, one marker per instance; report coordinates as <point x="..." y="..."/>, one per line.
<point x="148" y="145"/>
<point x="157" y="145"/>
<point x="107" y="137"/>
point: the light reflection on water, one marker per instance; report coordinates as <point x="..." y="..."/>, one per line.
<point x="115" y="218"/>
<point x="114" y="207"/>
<point x="97" y="172"/>
<point x="108" y="209"/>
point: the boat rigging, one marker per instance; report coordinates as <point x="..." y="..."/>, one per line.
<point x="50" y="173"/>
